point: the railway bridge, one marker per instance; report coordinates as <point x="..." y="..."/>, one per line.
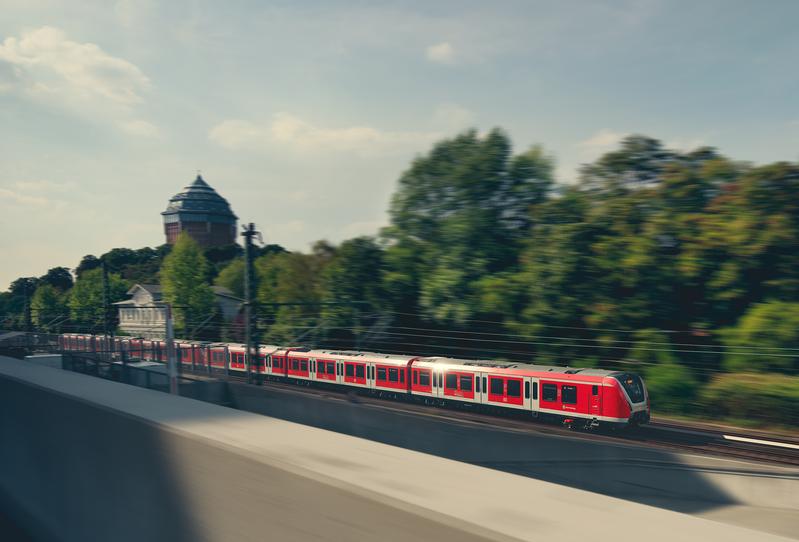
<point x="88" y="459"/>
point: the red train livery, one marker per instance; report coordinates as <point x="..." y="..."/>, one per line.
<point x="586" y="397"/>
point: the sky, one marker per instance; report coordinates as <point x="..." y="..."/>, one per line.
<point x="305" y="114"/>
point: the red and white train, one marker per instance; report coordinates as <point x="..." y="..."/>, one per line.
<point x="585" y="397"/>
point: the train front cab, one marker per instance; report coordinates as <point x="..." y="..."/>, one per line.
<point x="626" y="401"/>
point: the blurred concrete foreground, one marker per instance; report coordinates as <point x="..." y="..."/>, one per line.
<point x="88" y="459"/>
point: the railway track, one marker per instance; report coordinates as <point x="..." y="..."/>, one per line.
<point x="698" y="439"/>
<point x="735" y="444"/>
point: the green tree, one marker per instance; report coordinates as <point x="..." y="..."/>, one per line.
<point x="48" y="309"/>
<point x="183" y="281"/>
<point x="465" y="207"/>
<point x="638" y="163"/>
<point x="87" y="263"/>
<point x="293" y="279"/>
<point x="766" y="339"/>
<point x="59" y="278"/>
<point x="672" y="387"/>
<point x="86" y="298"/>
<point x="353" y="275"/>
<point x="232" y="277"/>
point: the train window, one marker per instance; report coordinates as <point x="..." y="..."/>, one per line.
<point x="485" y="387"/>
<point x="452" y="381"/>
<point x="359" y="371"/>
<point x="526" y="390"/>
<point x="381" y="373"/>
<point x="568" y="395"/>
<point x="549" y="392"/>
<point x="514" y="388"/>
<point x="295" y="365"/>
<point x="478" y="384"/>
<point x="402" y="375"/>
<point x="415" y="377"/>
<point x="393" y="375"/>
<point x="303" y="365"/>
<point x="440" y="381"/>
<point x="322" y="369"/>
<point x="466" y="382"/>
<point x="424" y="378"/>
<point x="349" y="370"/>
<point x="535" y="390"/>
<point x="594" y="390"/>
<point x="497" y="386"/>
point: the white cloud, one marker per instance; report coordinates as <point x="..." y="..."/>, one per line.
<point x="138" y="127"/>
<point x="289" y="131"/>
<point x="45" y="66"/>
<point x="236" y="134"/>
<point x="19" y="198"/>
<point x="38" y="193"/>
<point x="46" y="62"/>
<point x="443" y="53"/>
<point x="453" y="117"/>
<point x="45" y="186"/>
<point x="601" y="142"/>
<point x="685" y="145"/>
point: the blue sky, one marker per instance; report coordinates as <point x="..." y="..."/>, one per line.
<point x="304" y="114"/>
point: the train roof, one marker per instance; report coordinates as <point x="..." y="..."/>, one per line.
<point x="372" y="356"/>
<point x="491" y="364"/>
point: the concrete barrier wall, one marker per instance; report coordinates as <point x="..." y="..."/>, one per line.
<point x="87" y="459"/>
<point x="687" y="483"/>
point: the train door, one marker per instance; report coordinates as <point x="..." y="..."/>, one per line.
<point x="438" y="383"/>
<point x="595" y="400"/>
<point x="534" y="385"/>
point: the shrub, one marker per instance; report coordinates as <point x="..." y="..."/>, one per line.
<point x="773" y="326"/>
<point x="671" y="387"/>
<point x="769" y="398"/>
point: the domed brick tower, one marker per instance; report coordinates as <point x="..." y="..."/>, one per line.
<point x="202" y="213"/>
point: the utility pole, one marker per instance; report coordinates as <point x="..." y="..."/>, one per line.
<point x="249" y="293"/>
<point x="27" y="310"/>
<point x="107" y="311"/>
<point x="172" y="366"/>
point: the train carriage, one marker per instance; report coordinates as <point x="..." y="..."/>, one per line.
<point x="572" y="395"/>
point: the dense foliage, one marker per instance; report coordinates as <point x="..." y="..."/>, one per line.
<point x="680" y="265"/>
<point x="183" y="277"/>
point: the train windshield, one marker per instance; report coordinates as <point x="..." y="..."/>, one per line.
<point x="632" y="385"/>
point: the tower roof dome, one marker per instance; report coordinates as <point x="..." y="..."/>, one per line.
<point x="200" y="198"/>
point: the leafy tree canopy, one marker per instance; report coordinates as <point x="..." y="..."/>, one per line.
<point x="183" y="281"/>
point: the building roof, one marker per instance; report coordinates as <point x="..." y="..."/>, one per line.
<point x="152" y="288"/>
<point x="199" y="198"/>
<point x="156" y="292"/>
<point x="224" y="292"/>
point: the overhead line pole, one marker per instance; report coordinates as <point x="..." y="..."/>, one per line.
<point x="172" y="365"/>
<point x="107" y="309"/>
<point x="249" y="291"/>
